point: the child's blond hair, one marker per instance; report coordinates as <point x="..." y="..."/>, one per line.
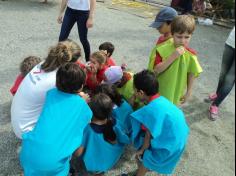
<point x="28" y="64"/>
<point x="182" y="24"/>
<point x="100" y="57"/>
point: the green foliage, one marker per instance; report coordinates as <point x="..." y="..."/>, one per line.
<point x="224" y="4"/>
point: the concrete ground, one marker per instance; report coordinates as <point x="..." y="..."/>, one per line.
<point x="29" y="28"/>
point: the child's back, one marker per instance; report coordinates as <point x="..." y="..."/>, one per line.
<point x="104" y="139"/>
<point x="97" y="149"/>
<point x="159" y="129"/>
<point x="121" y="108"/>
<point x="169" y="131"/>
<point x="122" y="114"/>
<point x="57" y="134"/>
<point x="59" y="130"/>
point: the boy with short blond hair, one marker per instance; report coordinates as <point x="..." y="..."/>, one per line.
<point x="177" y="65"/>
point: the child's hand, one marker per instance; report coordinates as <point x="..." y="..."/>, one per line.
<point x="85" y="96"/>
<point x="179" y="52"/>
<point x="88" y="66"/>
<point x="185" y="98"/>
<point x="94" y="70"/>
<point x="123" y="66"/>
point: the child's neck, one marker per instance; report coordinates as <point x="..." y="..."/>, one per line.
<point x="98" y="122"/>
<point x="167" y="35"/>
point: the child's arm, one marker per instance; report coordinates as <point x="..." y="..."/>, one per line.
<point x="161" y="67"/>
<point x="85" y="96"/>
<point x="79" y="151"/>
<point x="188" y="93"/>
<point x="146" y="144"/>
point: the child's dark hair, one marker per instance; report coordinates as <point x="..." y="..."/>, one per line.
<point x="28" y="64"/>
<point x="147" y="82"/>
<point x="168" y="22"/>
<point x="75" y="49"/>
<point x="112" y="92"/>
<point x="108" y="46"/>
<point x="57" y="56"/>
<point x="70" y="78"/>
<point x="182" y="24"/>
<point x="102" y="106"/>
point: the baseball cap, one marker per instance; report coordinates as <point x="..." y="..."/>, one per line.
<point x="113" y="74"/>
<point x="166" y="14"/>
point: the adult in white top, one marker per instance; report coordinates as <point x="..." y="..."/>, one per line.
<point x="80" y="12"/>
<point x="227" y="77"/>
<point x="28" y="101"/>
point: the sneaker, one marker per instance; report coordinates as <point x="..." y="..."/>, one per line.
<point x="213" y="112"/>
<point x="212" y="97"/>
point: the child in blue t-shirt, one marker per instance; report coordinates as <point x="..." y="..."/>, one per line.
<point x="104" y="139"/>
<point x="121" y="108"/>
<point x="59" y="131"/>
<point x="159" y="129"/>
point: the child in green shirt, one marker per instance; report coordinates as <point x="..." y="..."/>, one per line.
<point x="163" y="24"/>
<point x="176" y="65"/>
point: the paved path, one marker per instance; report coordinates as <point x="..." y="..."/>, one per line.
<point x="29" y="28"/>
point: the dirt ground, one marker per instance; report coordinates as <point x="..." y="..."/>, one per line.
<point x="29" y="28"/>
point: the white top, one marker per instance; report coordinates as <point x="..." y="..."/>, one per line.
<point x="29" y="99"/>
<point x="231" y="39"/>
<point x="79" y="4"/>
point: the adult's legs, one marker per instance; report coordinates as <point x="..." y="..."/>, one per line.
<point x="227" y="61"/>
<point x="81" y="19"/>
<point x="187" y="6"/>
<point x="67" y="24"/>
<point x="227" y="85"/>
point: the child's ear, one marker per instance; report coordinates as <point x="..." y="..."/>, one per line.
<point x="142" y="92"/>
<point x="81" y="89"/>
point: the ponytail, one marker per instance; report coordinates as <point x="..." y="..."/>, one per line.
<point x="108" y="133"/>
<point x="57" y="56"/>
<point x="102" y="106"/>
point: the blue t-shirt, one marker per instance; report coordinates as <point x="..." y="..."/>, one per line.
<point x="57" y="134"/>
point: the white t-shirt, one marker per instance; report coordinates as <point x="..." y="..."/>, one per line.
<point x="29" y="99"/>
<point x="231" y="39"/>
<point x="79" y="4"/>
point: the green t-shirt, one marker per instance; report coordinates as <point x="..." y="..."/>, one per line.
<point x="173" y="81"/>
<point x="127" y="91"/>
<point x="153" y="54"/>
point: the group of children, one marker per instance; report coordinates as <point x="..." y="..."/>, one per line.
<point x="96" y="109"/>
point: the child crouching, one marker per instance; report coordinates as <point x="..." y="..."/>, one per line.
<point x="160" y="131"/>
<point x="104" y="141"/>
<point x="59" y="131"/>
